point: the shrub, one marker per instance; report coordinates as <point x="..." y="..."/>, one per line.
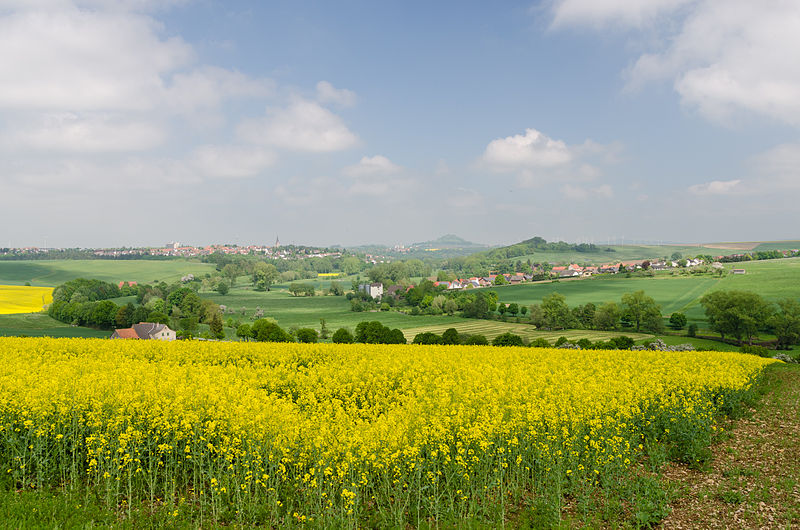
<point x="307" y="335"/>
<point x="450" y="336"/>
<point x="342" y="336"/>
<point x="376" y="333"/>
<point x="585" y="344"/>
<point x="427" y="337"/>
<point x="265" y="330"/>
<point x="622" y="342"/>
<point x="539" y="343"/>
<point x="507" y="339"/>
<point x="692" y="330"/>
<point x="476" y="340"/>
<point x="561" y="340"/>
<point x="677" y="321"/>
<point x="761" y="351"/>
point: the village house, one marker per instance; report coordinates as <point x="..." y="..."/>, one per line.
<point x="145" y="331"/>
<point x="375" y="290"/>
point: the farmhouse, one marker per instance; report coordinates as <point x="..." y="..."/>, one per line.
<point x="145" y="331"/>
<point x="375" y="290"/>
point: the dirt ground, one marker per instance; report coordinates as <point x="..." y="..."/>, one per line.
<point x="753" y="481"/>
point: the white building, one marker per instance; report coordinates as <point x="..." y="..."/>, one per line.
<point x="375" y="290"/>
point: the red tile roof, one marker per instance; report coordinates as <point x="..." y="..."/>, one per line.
<point x="127" y="333"/>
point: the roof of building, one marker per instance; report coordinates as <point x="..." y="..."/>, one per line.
<point x="127" y="333"/>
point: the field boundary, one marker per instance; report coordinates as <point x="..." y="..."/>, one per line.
<point x="492" y="328"/>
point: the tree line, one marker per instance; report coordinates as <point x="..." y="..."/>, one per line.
<point x="742" y="315"/>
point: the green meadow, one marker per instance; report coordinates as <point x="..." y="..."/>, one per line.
<point x="773" y="279"/>
<point x="635" y="252"/>
<point x="52" y="273"/>
<point x="41" y="325"/>
<point x="306" y="311"/>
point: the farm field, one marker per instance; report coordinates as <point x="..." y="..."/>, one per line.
<point x="53" y="273"/>
<point x="304" y="311"/>
<point x="22" y="299"/>
<point x="491" y="329"/>
<point x="620" y="253"/>
<point x="773" y="279"/>
<point x="671" y="293"/>
<point x="639" y="252"/>
<point x="358" y="435"/>
<point x="777" y="245"/>
<point x="42" y="325"/>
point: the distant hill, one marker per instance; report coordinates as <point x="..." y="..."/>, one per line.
<point x="449" y="241"/>
<point x="537" y="249"/>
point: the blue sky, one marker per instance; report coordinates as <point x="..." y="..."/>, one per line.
<point x="137" y="122"/>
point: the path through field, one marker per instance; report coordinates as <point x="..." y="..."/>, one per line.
<point x="754" y="480"/>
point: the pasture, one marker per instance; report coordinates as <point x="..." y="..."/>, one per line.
<point x="41" y="325"/>
<point x="53" y="273"/>
<point x="292" y="311"/>
<point x="22" y="299"/>
<point x="619" y="253"/>
<point x="635" y="252"/>
<point x="773" y="279"/>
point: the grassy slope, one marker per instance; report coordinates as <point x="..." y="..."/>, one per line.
<point x="302" y="311"/>
<point x="778" y="245"/>
<point x="673" y="294"/>
<point x="56" y="272"/>
<point x="621" y="253"/>
<point x="774" y="279"/>
<point x="39" y="325"/>
<point x="639" y="252"/>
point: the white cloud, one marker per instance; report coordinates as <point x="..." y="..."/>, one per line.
<point x="580" y="193"/>
<point x="465" y="200"/>
<point x="112" y="5"/>
<point x="377" y="176"/>
<point x="716" y="187"/>
<point x="85" y="60"/>
<point x="723" y="57"/>
<point x="535" y="158"/>
<point x="612" y="12"/>
<point x="85" y="133"/>
<point x="231" y="161"/>
<point x="327" y="93"/>
<point x="377" y="165"/>
<point x="531" y="150"/>
<point x="107" y="60"/>
<point x="778" y="169"/>
<point x="302" y="126"/>
<point x="208" y="87"/>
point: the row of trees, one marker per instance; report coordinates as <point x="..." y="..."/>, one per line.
<point x="267" y="330"/>
<point x="635" y="310"/>
<point x="741" y="315"/>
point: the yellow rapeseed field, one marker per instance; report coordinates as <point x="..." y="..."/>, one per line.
<point x="325" y="432"/>
<point x="23" y="299"/>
